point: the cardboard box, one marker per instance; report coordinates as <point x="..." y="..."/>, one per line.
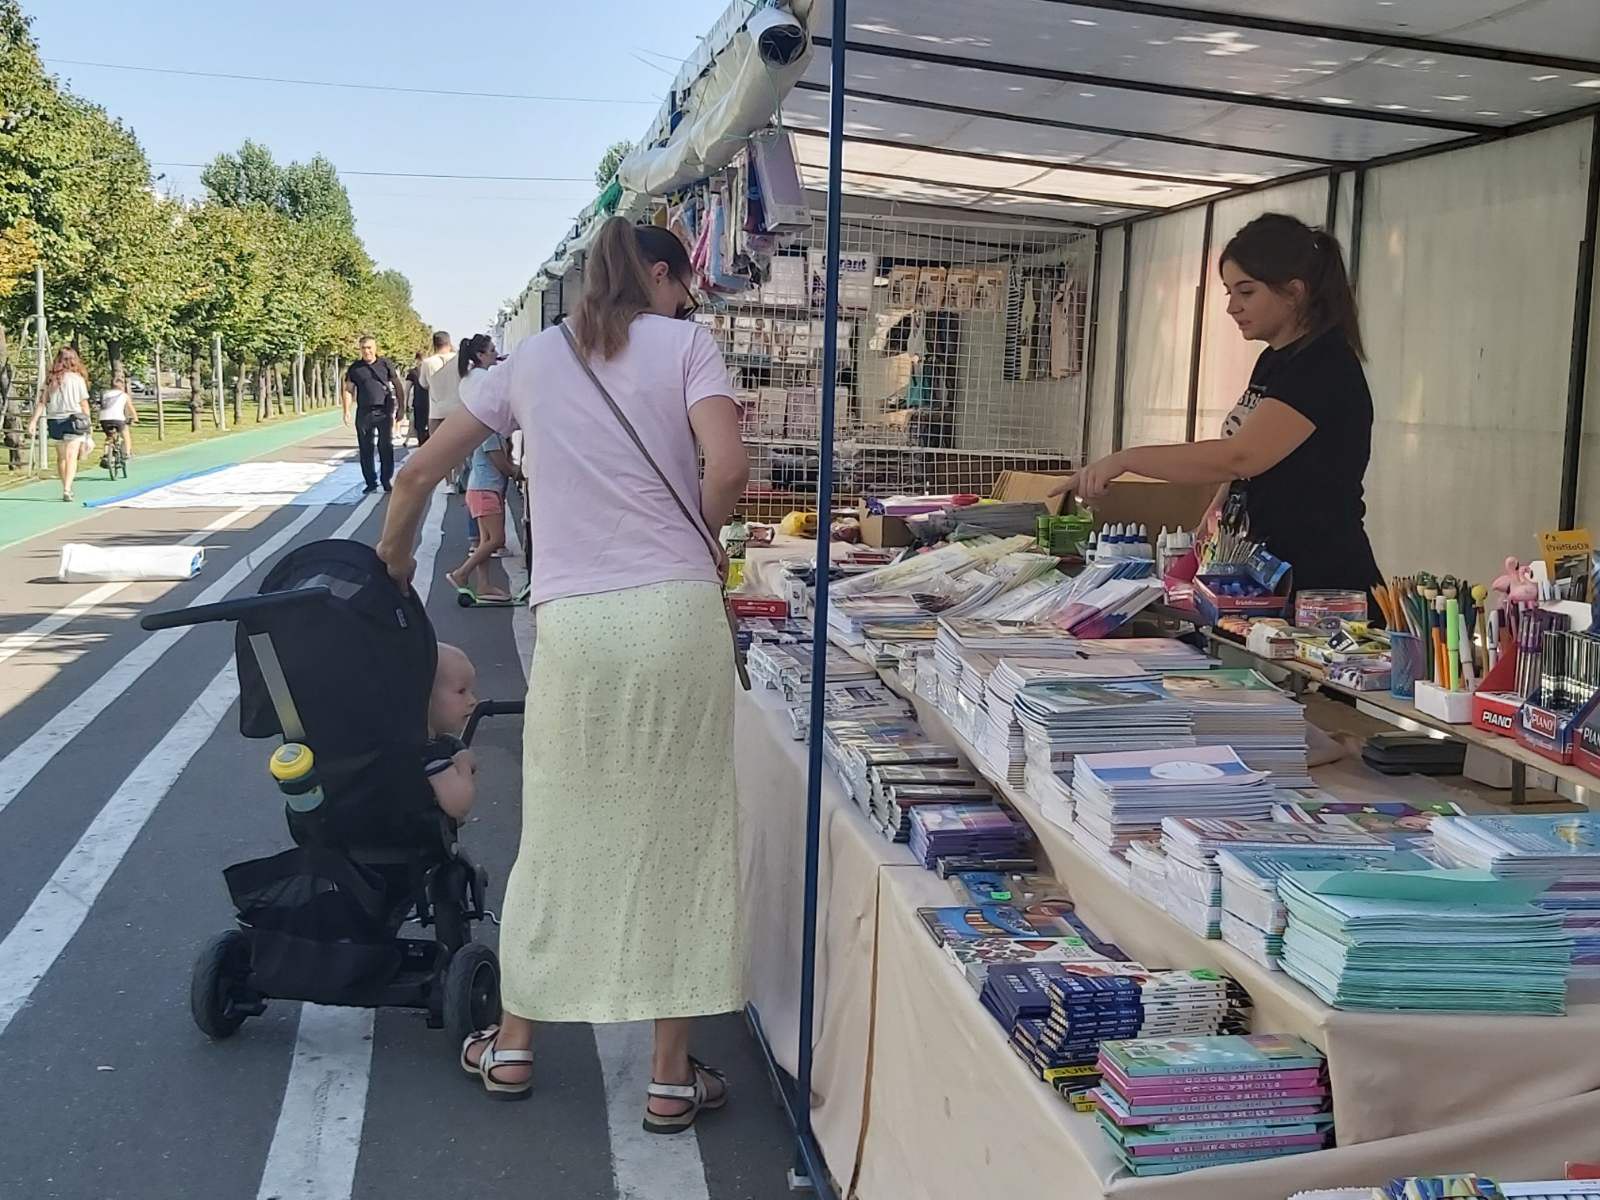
<point x="1133" y="499"/>
<point x="885" y="531"/>
<point x="1031" y="485"/>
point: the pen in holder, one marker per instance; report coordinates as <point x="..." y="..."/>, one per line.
<point x="1407" y="664"/>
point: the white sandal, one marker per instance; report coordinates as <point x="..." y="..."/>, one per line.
<point x="695" y="1094"/>
<point x="492" y="1059"/>
<point x="482" y="1035"/>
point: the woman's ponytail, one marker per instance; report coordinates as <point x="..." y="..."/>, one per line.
<point x="616" y="282"/>
<point x="1276" y="248"/>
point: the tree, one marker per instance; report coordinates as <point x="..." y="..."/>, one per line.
<point x="606" y="170"/>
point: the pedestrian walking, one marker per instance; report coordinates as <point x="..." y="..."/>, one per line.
<point x="444" y="352"/>
<point x="373" y="386"/>
<point x="419" y="399"/>
<point x="64" y="406"/>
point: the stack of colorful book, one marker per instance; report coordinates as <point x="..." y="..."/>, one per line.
<point x="974" y="831"/>
<point x="981" y="938"/>
<point x="1253" y="917"/>
<point x="1439" y="941"/>
<point x="1563" y="848"/>
<point x="850" y="700"/>
<point x="1092" y="1002"/>
<point x="854" y="747"/>
<point x="1122" y="798"/>
<point x="898" y="788"/>
<point x="1177" y="1104"/>
<point x="1000" y="739"/>
<point x="1405" y="826"/>
<point x="1193" y="894"/>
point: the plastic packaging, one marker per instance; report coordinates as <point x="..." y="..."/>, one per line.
<point x="1314" y="605"/>
<point x="82" y="563"/>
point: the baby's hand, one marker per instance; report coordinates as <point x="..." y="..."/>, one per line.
<point x="466" y="760"/>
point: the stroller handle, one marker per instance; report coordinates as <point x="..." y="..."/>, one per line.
<point x="490" y="708"/>
<point x="234" y="610"/>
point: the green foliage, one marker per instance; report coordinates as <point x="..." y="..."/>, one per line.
<point x="270" y="260"/>
<point x="606" y="170"/>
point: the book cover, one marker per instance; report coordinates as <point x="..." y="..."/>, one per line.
<point x="968" y="924"/>
<point x="1228" y="1055"/>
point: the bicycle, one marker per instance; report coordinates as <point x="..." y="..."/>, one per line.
<point x="115" y="459"/>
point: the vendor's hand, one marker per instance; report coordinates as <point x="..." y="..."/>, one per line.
<point x="402" y="564"/>
<point x="1091" y="481"/>
<point x="722" y="565"/>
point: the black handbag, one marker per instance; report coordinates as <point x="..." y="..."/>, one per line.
<point x="80" y="423"/>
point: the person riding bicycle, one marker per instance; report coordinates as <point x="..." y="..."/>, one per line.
<point x="117" y="415"/>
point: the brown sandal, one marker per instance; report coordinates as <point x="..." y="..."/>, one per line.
<point x="696" y="1095"/>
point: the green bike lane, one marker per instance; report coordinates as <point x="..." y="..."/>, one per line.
<point x="34" y="508"/>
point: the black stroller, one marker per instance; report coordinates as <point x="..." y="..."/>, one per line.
<point x="337" y="661"/>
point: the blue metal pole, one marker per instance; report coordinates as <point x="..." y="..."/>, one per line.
<point x="819" y="642"/>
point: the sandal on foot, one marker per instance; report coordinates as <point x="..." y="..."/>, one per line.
<point x="479" y="1038"/>
<point x="696" y="1095"/>
<point x="493" y="1059"/>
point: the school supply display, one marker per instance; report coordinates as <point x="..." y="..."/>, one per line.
<point x="1170" y="1105"/>
<point x="972" y="830"/>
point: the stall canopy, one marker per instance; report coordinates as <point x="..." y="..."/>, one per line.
<point x="1106" y="110"/>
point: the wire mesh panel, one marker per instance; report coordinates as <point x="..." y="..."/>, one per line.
<point x="961" y="355"/>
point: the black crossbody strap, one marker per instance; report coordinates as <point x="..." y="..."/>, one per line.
<point x="633" y="434"/>
<point x="698" y="523"/>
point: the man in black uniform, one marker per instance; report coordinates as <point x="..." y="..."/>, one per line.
<point x="374" y="385"/>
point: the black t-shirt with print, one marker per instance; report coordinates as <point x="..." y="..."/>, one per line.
<point x="372" y="381"/>
<point x="1309" y="509"/>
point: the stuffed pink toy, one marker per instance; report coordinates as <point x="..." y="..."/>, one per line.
<point x="1517" y="582"/>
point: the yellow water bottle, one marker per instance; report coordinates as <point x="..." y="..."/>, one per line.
<point x="294" y="768"/>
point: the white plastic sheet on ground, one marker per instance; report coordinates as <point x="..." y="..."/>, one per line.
<point x="256" y="485"/>
<point x="83" y="563"/>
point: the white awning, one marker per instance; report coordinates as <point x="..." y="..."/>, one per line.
<point x="1101" y="109"/>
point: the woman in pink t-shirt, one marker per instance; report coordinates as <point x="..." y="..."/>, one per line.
<point x="628" y="743"/>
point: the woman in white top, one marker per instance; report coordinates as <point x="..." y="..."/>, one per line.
<point x="66" y="414"/>
<point x="117" y="413"/>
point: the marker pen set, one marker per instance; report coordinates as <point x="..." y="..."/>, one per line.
<point x="1447" y="616"/>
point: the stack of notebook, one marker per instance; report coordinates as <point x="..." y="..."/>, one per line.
<point x="1122" y="798"/>
<point x="1564" y="849"/>
<point x="786" y="667"/>
<point x="1061" y="720"/>
<point x="854" y="747"/>
<point x="1000" y="739"/>
<point x="897" y="789"/>
<point x="984" y="938"/>
<point x="1242" y="709"/>
<point x="1405" y="826"/>
<point x="849" y="700"/>
<point x="1440" y="941"/>
<point x="1193" y="892"/>
<point x="1253" y="917"/>
<point x="1171" y="1105"/>
<point x="981" y="830"/>
<point x="1064" y="1011"/>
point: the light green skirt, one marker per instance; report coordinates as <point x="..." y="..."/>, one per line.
<point x="623" y="904"/>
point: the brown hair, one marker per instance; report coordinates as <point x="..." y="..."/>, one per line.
<point x="66" y="360"/>
<point x="616" y="286"/>
<point x="1276" y="248"/>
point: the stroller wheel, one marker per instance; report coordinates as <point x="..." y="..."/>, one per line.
<point x="471" y="991"/>
<point x="219" y="973"/>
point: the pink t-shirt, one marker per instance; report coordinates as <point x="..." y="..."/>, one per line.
<point x="601" y="519"/>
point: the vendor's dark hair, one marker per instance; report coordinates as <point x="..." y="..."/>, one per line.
<point x="616" y="282"/>
<point x="1276" y="248"/>
<point x="470" y="349"/>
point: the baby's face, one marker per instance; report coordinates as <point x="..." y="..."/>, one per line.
<point x="454" y="692"/>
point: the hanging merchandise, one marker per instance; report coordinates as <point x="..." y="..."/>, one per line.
<point x="783" y="196"/>
<point x="1067" y="314"/>
<point x="855" y="278"/>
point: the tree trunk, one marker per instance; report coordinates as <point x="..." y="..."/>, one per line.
<point x="114" y="357"/>
<point x="194" y="392"/>
<point x="262" y="409"/>
<point x="238" y="391"/>
<point x="276" y="379"/>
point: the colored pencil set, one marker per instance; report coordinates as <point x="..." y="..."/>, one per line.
<point x="1448" y="616"/>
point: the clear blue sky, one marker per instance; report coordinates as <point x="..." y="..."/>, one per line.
<point x="465" y="245"/>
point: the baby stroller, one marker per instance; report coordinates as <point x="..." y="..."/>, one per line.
<point x="337" y="661"/>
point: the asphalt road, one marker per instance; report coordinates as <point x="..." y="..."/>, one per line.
<point x="125" y="788"/>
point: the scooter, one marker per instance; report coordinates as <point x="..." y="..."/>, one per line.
<point x="467" y="598"/>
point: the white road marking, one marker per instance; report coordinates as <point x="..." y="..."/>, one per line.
<point x="58" y="911"/>
<point x="44" y="627"/>
<point x="644" y="1166"/>
<point x="317" y="1141"/>
<point x="18" y="768"/>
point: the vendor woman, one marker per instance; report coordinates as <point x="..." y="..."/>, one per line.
<point x="1296" y="445"/>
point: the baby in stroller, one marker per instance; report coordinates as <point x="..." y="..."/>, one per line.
<point x="376" y="720"/>
<point x="447" y="760"/>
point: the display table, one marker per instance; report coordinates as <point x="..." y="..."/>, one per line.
<point x="771" y="768"/>
<point x="916" y="1093"/>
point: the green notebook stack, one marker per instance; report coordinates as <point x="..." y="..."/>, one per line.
<point x="1433" y="941"/>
